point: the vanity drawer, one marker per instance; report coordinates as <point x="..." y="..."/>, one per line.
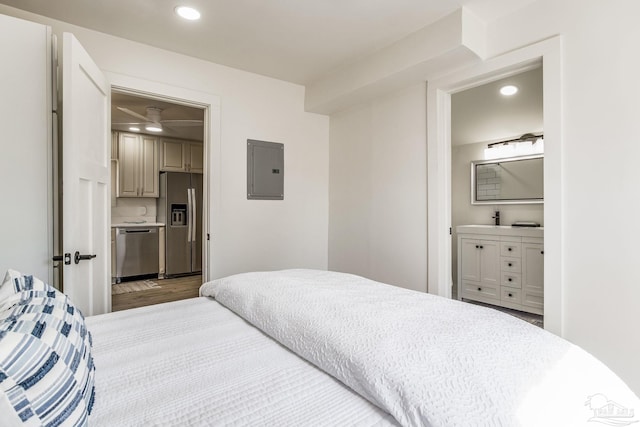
<point x="511" y="295"/>
<point x="511" y="249"/>
<point x="512" y="265"/>
<point x="512" y="280"/>
<point x="471" y="290"/>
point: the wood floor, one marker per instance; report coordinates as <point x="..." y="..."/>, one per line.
<point x="169" y="290"/>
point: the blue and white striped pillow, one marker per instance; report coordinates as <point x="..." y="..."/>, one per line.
<point x="46" y="368"/>
<point x="10" y="285"/>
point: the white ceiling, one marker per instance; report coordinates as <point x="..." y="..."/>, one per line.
<point x="121" y="121"/>
<point x="292" y="40"/>
<point x="482" y="114"/>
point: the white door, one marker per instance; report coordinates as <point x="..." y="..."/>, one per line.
<point x="85" y="180"/>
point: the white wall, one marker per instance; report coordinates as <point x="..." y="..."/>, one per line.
<point x="600" y="118"/>
<point x="249" y="235"/>
<point x="599" y="123"/>
<point x="464" y="213"/>
<point x="377" y="209"/>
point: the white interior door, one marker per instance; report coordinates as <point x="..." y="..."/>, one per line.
<point x="85" y="180"/>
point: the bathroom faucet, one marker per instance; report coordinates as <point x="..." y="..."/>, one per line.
<point x="497" y="217"/>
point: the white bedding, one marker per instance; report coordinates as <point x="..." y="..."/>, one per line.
<point x="194" y="362"/>
<point x="424" y="359"/>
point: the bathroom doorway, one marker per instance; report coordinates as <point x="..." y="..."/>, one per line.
<point x="483" y="117"/>
<point x="549" y="53"/>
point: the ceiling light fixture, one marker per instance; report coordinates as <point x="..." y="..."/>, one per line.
<point x="134" y="129"/>
<point x="187" y="12"/>
<point x="508" y="90"/>
<point x="153" y="127"/>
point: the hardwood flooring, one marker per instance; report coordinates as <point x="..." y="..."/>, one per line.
<point x="169" y="290"/>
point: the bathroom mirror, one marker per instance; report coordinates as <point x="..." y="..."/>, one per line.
<point x="515" y="180"/>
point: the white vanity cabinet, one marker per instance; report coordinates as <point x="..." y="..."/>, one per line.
<point x="533" y="275"/>
<point x="479" y="267"/>
<point x="502" y="265"/>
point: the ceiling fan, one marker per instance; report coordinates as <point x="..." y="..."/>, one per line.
<point x="153" y="122"/>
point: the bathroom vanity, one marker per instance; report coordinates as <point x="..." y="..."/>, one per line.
<point x="502" y="265"/>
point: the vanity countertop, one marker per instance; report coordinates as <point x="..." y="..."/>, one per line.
<point x="137" y="224"/>
<point x="503" y="230"/>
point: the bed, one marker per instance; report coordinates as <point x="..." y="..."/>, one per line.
<point x="298" y="348"/>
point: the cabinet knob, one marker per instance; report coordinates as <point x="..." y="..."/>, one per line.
<point x="479" y="289"/>
<point x="541" y="252"/>
<point x="481" y="247"/>
<point x="510" y="265"/>
<point x="510" y="295"/>
<point x="510" y="279"/>
<point x="477" y="247"/>
<point x="509" y="249"/>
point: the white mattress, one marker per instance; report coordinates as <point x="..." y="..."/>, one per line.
<point x="194" y="362"/>
<point x="427" y="360"/>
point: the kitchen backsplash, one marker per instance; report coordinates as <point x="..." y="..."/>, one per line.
<point x="133" y="210"/>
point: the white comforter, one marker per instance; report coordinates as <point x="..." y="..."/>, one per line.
<point x="195" y="363"/>
<point x="425" y="359"/>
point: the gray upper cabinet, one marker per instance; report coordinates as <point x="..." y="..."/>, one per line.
<point x="181" y="156"/>
<point x="138" y="159"/>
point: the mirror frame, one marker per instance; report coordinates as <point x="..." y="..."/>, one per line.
<point x="474" y="200"/>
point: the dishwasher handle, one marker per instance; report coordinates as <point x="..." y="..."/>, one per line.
<point x="136" y="230"/>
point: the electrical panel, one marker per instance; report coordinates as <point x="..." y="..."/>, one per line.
<point x="265" y="170"/>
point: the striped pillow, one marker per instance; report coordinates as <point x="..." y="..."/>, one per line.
<point x="46" y="367"/>
<point x="10" y="285"/>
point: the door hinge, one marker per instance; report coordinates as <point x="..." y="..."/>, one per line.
<point x="450" y="231"/>
<point x="207" y="236"/>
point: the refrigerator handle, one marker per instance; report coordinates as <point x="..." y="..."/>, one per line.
<point x="189" y="214"/>
<point x="193" y="215"/>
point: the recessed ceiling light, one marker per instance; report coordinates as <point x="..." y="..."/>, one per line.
<point x="153" y="127"/>
<point x="134" y="129"/>
<point x="187" y="12"/>
<point x="508" y="90"/>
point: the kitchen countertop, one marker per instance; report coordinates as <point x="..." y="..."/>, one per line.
<point x="137" y="224"/>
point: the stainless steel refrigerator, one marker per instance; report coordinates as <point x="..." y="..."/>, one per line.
<point x="180" y="209"/>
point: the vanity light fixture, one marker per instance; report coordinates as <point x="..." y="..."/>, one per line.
<point x="527" y="144"/>
<point x="509" y="90"/>
<point x="134" y="129"/>
<point x="187" y="12"/>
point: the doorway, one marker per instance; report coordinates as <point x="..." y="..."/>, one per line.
<point x="482" y="117"/>
<point x="157" y="147"/>
<point x="547" y="53"/>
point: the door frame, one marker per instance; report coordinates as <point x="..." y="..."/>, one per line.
<point x="211" y="145"/>
<point x="549" y="54"/>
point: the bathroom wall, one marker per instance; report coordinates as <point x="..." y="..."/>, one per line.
<point x="464" y="213"/>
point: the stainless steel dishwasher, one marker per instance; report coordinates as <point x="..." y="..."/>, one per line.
<point x="136" y="252"/>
